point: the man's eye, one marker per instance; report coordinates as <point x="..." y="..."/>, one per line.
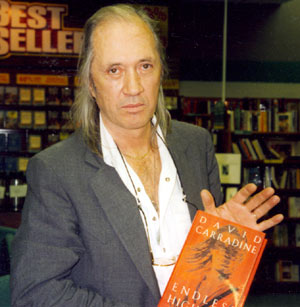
<point x="113" y="71"/>
<point x="146" y="66"/>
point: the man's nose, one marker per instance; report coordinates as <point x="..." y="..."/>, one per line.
<point x="132" y="83"/>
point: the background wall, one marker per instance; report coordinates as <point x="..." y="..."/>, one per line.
<point x="263" y="42"/>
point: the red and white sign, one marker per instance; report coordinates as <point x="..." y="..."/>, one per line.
<point x="36" y="29"/>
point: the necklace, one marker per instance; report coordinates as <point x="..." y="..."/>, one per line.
<point x="138" y="158"/>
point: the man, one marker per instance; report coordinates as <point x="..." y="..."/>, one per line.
<point x="108" y="210"/>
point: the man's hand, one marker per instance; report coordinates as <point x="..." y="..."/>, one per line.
<point x="244" y="210"/>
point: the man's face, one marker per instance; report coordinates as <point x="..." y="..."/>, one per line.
<point x="125" y="73"/>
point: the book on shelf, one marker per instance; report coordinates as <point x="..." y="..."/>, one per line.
<point x="34" y="142"/>
<point x="285" y="122"/>
<point x="244" y="149"/>
<point x="281" y="235"/>
<point x="264" y="115"/>
<point x="39" y="119"/>
<point x="11" y="119"/>
<point x="283" y="179"/>
<point x="258" y="149"/>
<point x="250" y="149"/>
<point x="25" y="95"/>
<point x="25" y="120"/>
<point x="53" y="96"/>
<point x="274" y="181"/>
<point x="219" y="115"/>
<point x="66" y="96"/>
<point x="22" y="164"/>
<point x="11" y="95"/>
<point x="294" y="206"/>
<point x="263" y="118"/>
<point x="216" y="265"/>
<point x="39" y="96"/>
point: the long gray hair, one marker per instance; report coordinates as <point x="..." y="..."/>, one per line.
<point x="84" y="111"/>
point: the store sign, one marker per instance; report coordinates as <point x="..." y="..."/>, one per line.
<point x="36" y="29"/>
<point x="29" y="79"/>
<point x="4" y="78"/>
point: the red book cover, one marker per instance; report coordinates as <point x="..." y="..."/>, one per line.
<point x="216" y="266"/>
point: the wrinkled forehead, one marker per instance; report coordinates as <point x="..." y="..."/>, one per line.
<point x="117" y="28"/>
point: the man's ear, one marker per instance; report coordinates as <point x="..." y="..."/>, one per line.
<point x="92" y="88"/>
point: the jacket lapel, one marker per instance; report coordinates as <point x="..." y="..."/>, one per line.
<point x="124" y="216"/>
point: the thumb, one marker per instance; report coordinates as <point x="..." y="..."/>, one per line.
<point x="208" y="201"/>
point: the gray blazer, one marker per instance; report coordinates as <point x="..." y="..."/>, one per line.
<point x="82" y="241"/>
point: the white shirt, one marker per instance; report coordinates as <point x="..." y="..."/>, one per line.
<point x="167" y="231"/>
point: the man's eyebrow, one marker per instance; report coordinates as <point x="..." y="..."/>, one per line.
<point x="113" y="64"/>
<point x="149" y="59"/>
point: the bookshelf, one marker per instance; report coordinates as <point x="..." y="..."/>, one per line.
<point x="242" y="122"/>
<point x="34" y="114"/>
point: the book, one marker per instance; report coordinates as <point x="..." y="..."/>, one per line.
<point x="251" y="149"/>
<point x="258" y="149"/>
<point x="34" y="143"/>
<point x="216" y="265"/>
<point x="25" y="120"/>
<point x="53" y="96"/>
<point x="273" y="177"/>
<point x="11" y="119"/>
<point x="39" y="119"/>
<point x="11" y="95"/>
<point x="25" y="95"/>
<point x="219" y="115"/>
<point x="281" y="235"/>
<point x="66" y="96"/>
<point x="244" y="149"/>
<point x="294" y="206"/>
<point x="284" y="122"/>
<point x="39" y="96"/>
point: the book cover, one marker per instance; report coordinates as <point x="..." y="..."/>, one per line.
<point x="216" y="265"/>
<point x="39" y="96"/>
<point x="284" y="122"/>
<point x="25" y="95"/>
<point x="53" y="96"/>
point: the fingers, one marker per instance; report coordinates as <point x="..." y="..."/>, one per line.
<point x="259" y="199"/>
<point x="263" y="209"/>
<point x="208" y="201"/>
<point x="271" y="222"/>
<point x="244" y="193"/>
